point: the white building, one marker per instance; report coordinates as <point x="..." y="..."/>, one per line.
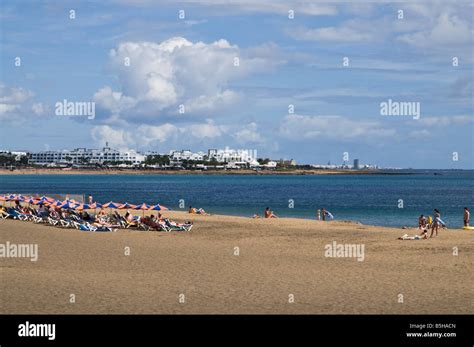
<point x="86" y="156"/>
<point x="271" y="164"/>
<point x="177" y="156"/>
<point x="239" y="156"/>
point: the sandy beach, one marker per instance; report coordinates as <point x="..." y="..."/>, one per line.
<point x="278" y="260"/>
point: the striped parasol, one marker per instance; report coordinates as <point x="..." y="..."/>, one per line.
<point x="142" y="207"/>
<point x="126" y="206"/>
<point x="158" y="207"/>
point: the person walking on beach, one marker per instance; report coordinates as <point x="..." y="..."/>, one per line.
<point x="318" y="214"/>
<point x="323" y="213"/>
<point x="437" y="221"/>
<point x="467" y="216"/>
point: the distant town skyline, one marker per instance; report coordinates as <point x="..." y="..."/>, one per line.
<point x="135" y="157"/>
<point x="386" y="83"/>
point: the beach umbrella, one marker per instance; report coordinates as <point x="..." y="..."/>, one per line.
<point x="67" y="204"/>
<point x="126" y="206"/>
<point x="81" y="207"/>
<point x="30" y="201"/>
<point x="95" y="206"/>
<point x="64" y="205"/>
<point x="142" y="207"/>
<point x="111" y="204"/>
<point x="56" y="203"/>
<point x="47" y="200"/>
<point x="158" y="207"/>
<point x="17" y="198"/>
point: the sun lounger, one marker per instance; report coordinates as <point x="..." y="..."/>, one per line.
<point x="4" y="214"/>
<point x="17" y="215"/>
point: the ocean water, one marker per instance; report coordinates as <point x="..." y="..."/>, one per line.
<point x="370" y="199"/>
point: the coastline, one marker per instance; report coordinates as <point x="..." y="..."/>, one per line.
<point x="243" y="172"/>
<point x="277" y="257"/>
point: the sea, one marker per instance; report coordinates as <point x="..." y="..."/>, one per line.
<point x="394" y="199"/>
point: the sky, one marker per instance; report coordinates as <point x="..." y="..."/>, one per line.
<point x="301" y="80"/>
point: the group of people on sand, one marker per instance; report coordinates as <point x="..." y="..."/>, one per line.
<point x="323" y="214"/>
<point x="83" y="220"/>
<point x="159" y="223"/>
<point x="433" y="224"/>
<point x="425" y="224"/>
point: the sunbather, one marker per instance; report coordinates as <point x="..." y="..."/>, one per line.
<point x="269" y="214"/>
<point x="152" y="223"/>
<point x="3" y="212"/>
<point x="175" y="226"/>
<point x="415" y="237"/>
<point x="421" y="222"/>
<point x="193" y="210"/>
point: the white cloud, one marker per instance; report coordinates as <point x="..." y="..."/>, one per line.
<point x="419" y="134"/>
<point x="448" y="30"/>
<point x="38" y="108"/>
<point x="145" y="135"/>
<point x="148" y="133"/>
<point x="349" y="32"/>
<point x="13" y="95"/>
<point x="205" y="130"/>
<point x="162" y="76"/>
<point x="249" y="135"/>
<point x="443" y="121"/>
<point x="251" y="6"/>
<point x="16" y="104"/>
<point x="296" y="127"/>
<point x="117" y="138"/>
<point x="113" y="101"/>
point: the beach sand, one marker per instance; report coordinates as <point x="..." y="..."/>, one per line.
<point x="277" y="258"/>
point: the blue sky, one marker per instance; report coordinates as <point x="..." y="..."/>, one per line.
<point x="282" y="62"/>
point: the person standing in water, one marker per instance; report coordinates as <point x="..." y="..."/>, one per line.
<point x="318" y="214"/>
<point x="329" y="215"/>
<point x="467" y="216"/>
